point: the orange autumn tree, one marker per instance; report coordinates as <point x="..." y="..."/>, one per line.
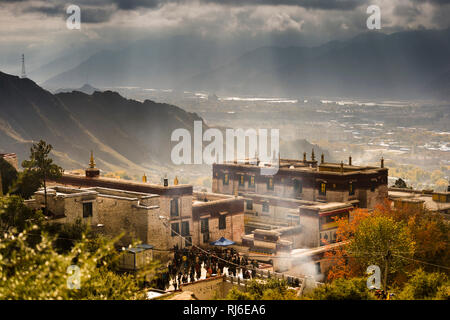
<point x="342" y="265"/>
<point x="429" y="231"/>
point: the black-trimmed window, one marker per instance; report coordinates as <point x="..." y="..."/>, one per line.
<point x="222" y="222"/>
<point x="175" y="229"/>
<point x="241" y="180"/>
<point x="251" y="181"/>
<point x="226" y="179"/>
<point x="298" y="187"/>
<point x="318" y="269"/>
<point x="185" y="228"/>
<point x="323" y="189"/>
<point x="87" y="209"/>
<point x="174" y="207"/>
<point x="265" y="207"/>
<point x="204" y="225"/>
<point x="270" y="184"/>
<point x="249" y="204"/>
<point x="351" y="189"/>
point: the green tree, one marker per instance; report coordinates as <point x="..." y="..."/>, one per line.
<point x="342" y="289"/>
<point x="400" y="183"/>
<point x="42" y="273"/>
<point x="27" y="183"/>
<point x="423" y="285"/>
<point x="8" y="174"/>
<point x="34" y="265"/>
<point x="42" y="165"/>
<point x="68" y="234"/>
<point x="380" y="240"/>
<point x="15" y="215"/>
<point x="257" y="289"/>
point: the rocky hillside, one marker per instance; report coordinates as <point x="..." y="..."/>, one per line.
<point x="124" y="134"/>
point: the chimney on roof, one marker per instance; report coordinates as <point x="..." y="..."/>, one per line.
<point x="382" y="162"/>
<point x="350" y="160"/>
<point x="322" y="158"/>
<point x="312" y="155"/>
<point x="342" y="166"/>
<point x="304" y="156"/>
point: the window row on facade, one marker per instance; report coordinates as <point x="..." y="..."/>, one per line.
<point x="204" y="227"/>
<point x="298" y="184"/>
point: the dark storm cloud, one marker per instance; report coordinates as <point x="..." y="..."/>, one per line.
<point x="98" y="11"/>
<point x="433" y="2"/>
<point x="308" y="4"/>
<point x="152" y="4"/>
<point x="88" y="14"/>
<point x="406" y="11"/>
<point x="134" y="4"/>
<point x="51" y="10"/>
<point x="96" y="15"/>
<point x="442" y="2"/>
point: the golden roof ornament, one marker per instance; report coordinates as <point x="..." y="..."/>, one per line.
<point x="175" y="181"/>
<point x="92" y="162"/>
<point x="144" y="178"/>
<point x="92" y="171"/>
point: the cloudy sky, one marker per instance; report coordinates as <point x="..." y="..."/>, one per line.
<point x="38" y="28"/>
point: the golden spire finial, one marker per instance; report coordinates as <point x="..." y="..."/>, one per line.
<point x="175" y="181"/>
<point x="92" y="162"/>
<point x="144" y="178"/>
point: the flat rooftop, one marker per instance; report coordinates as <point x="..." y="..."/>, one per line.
<point x="121" y="184"/>
<point x="427" y="199"/>
<point x="68" y="192"/>
<point x="327" y="206"/>
<point x="301" y="165"/>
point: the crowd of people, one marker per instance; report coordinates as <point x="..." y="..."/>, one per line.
<point x="187" y="263"/>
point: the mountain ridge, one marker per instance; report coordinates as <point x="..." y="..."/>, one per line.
<point x="123" y="133"/>
<point x="371" y="64"/>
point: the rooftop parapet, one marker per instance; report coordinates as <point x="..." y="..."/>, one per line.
<point x="121" y="184"/>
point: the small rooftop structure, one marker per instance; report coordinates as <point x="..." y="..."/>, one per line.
<point x="421" y="199"/>
<point x="136" y="258"/>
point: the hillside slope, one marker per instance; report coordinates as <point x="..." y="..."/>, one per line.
<point x="122" y="133"/>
